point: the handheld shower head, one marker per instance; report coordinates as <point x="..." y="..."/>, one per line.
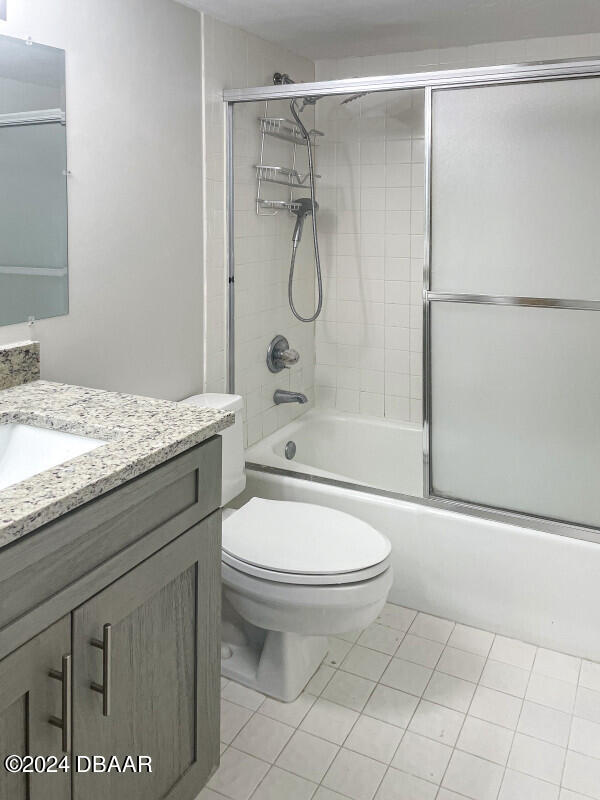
<point x="305" y="206"/>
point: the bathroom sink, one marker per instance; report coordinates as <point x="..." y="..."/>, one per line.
<point x="26" y="450"/>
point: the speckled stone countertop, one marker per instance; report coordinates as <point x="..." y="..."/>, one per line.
<point x="140" y="433"/>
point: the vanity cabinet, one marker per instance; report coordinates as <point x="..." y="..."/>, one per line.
<point x="29" y="698"/>
<point x="160" y="677"/>
<point x="137" y="653"/>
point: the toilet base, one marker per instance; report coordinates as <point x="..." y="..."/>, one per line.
<point x="280" y="665"/>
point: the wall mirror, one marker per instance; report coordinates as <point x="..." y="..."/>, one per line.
<point x="33" y="176"/>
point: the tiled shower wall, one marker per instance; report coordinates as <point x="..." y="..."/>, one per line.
<point x="369" y="340"/>
<point x="234" y="59"/>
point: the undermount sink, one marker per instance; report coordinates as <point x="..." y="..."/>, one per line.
<point x="26" y="450"/>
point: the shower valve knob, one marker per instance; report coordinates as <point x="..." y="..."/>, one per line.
<point x="280" y="355"/>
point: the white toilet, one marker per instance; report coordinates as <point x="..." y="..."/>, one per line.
<point x="293" y="573"/>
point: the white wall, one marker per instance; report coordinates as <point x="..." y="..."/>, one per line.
<point x="232" y="59"/>
<point x="134" y="135"/>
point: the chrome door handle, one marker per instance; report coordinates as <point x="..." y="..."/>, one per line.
<point x="104" y="688"/>
<point x="64" y="676"/>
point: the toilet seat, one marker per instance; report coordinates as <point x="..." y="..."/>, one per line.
<point x="302" y="543"/>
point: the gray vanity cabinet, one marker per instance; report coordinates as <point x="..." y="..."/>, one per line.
<point x="150" y="642"/>
<point x="133" y="579"/>
<point x="29" y="698"/>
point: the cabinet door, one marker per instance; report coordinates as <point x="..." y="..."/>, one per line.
<point x="160" y="664"/>
<point x="29" y="697"/>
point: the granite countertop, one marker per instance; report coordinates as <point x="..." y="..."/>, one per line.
<point x="140" y="433"/>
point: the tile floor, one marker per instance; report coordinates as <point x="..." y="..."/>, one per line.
<point x="419" y="708"/>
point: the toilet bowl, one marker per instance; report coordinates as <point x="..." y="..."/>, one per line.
<point x="293" y="574"/>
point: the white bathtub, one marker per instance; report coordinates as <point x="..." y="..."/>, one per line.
<point x="537" y="587"/>
<point x="347" y="447"/>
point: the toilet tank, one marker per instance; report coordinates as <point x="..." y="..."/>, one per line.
<point x="234" y="476"/>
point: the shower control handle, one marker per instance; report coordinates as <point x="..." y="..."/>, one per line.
<point x="280" y="355"/>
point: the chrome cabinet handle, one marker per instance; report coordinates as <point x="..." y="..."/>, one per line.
<point x="104" y="688"/>
<point x="64" y="676"/>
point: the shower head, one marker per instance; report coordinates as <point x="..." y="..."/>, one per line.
<point x="304" y="208"/>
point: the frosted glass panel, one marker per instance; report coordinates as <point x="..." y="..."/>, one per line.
<point x="516" y="189"/>
<point x="516" y="409"/>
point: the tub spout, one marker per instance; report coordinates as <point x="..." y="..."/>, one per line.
<point x="283" y="396"/>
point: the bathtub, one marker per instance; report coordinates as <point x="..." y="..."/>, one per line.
<point x="346" y="447"/>
<point x="532" y="585"/>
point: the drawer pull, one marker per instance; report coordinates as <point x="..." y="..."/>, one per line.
<point x="64" y="676"/>
<point x="104" y="688"/>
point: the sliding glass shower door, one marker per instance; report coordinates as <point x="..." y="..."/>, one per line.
<point x="513" y="300"/>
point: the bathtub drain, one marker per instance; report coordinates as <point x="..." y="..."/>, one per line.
<point x="290" y="450"/>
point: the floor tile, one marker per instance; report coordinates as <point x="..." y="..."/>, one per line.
<point x="291" y="713"/>
<point x="448" y="691"/>
<point x="502" y="709"/>
<point x="323" y="793"/>
<point x="420" y="651"/>
<point x="382" y="638"/>
<point x="374" y="738"/>
<point x="391" y="705"/>
<point x="540" y="759"/>
<point x="582" y="774"/>
<point x="263" y="737"/>
<point x="233" y="719"/>
<point x="354" y="775"/>
<point x="307" y="756"/>
<point x="461" y="664"/>
<point x="446" y="794"/>
<point x="396" y="617"/>
<point x="567" y="794"/>
<point x="242" y="695"/>
<point x="280" y="784"/>
<point x="338" y="650"/>
<point x="585" y="737"/>
<point x="406" y="676"/>
<point x="551" y="692"/>
<point x="329" y="721"/>
<point x="351" y="636"/>
<point x="544" y="723"/>
<point x="472" y="640"/>
<point x="589" y="676"/>
<point x="437" y="722"/>
<point x="512" y="651"/>
<point x="239" y="775"/>
<point x="348" y="690"/>
<point x="473" y="776"/>
<point x="398" y="785"/>
<point x="208" y="794"/>
<point x="486" y="740"/>
<point x="505" y="678"/>
<point x="365" y="662"/>
<point x="557" y="665"/>
<point x="517" y="786"/>
<point x="422" y="757"/>
<point x="320" y="680"/>
<point x="432" y="628"/>
<point x="587" y="704"/>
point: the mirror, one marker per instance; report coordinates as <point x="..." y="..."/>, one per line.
<point x="33" y="177"/>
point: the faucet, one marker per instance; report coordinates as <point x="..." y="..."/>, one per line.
<point x="283" y="396"/>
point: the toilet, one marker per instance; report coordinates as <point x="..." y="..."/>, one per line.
<point x="293" y="574"/>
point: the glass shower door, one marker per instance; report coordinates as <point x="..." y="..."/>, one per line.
<point x="513" y="299"/>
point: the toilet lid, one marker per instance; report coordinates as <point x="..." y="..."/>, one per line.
<point x="301" y="538"/>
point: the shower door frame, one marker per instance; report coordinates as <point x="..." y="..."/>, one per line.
<point x="566" y="69"/>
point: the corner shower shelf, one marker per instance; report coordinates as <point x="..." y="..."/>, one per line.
<point x="285" y="129"/>
<point x="290" y="176"/>
<point x="278" y="205"/>
<point x="282" y="175"/>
